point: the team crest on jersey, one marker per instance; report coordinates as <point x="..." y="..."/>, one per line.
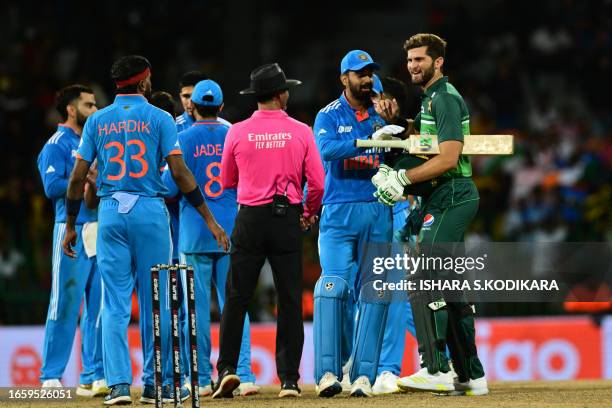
<point x="428" y="221"/>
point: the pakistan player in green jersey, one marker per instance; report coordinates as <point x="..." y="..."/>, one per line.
<point x="441" y="320"/>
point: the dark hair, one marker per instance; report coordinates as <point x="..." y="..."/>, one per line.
<point x="207" y="111"/>
<point x="126" y="67"/>
<point x="68" y="95"/>
<point x="397" y="89"/>
<point x="191" y="78"/>
<point x="263" y="98"/>
<point x="163" y="100"/>
<point x="436" y="46"/>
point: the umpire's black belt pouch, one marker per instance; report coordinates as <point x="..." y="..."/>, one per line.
<point x="280" y="204"/>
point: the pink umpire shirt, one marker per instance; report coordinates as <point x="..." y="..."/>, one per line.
<point x="271" y="153"/>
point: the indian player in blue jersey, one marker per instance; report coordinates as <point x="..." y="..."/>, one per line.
<point x="71" y="278"/>
<point x="202" y="146"/>
<point x="131" y="139"/>
<point x="351" y="218"/>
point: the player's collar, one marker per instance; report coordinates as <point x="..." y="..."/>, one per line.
<point x="131" y="98"/>
<point x="67" y="126"/>
<point x="436" y="85"/>
<point x="358" y="114"/>
<point x="207" y="122"/>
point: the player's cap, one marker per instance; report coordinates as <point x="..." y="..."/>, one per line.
<point x="376" y="85"/>
<point x="267" y="79"/>
<point x="356" y="60"/>
<point x="207" y="93"/>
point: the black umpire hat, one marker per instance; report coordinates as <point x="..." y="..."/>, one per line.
<point x="267" y="79"/>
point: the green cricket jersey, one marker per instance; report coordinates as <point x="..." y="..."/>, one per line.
<point x="444" y="113"/>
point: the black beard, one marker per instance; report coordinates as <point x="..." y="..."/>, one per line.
<point x="362" y="95"/>
<point x="80" y="119"/>
<point x="427" y="75"/>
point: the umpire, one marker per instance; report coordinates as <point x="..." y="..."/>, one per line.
<point x="268" y="157"/>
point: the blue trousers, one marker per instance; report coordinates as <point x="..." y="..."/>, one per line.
<point x="128" y="246"/>
<point x="344" y="231"/>
<point x="71" y="279"/>
<point x="213" y="267"/>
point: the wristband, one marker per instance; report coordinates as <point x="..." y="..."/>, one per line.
<point x="195" y="197"/>
<point x="72" y="207"/>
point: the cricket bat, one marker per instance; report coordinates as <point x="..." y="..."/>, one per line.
<point x="498" y="145"/>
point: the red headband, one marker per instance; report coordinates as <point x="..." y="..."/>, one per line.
<point x="133" y="79"/>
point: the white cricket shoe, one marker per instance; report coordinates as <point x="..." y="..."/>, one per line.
<point x="361" y="387"/>
<point x="386" y="383"/>
<point x="247" y="388"/>
<point x="473" y="387"/>
<point x="328" y="386"/>
<point x="99" y="388"/>
<point x="423" y="381"/>
<point x="53" y="383"/>
<point x="96" y="389"/>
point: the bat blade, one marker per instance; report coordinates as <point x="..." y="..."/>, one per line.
<point x="495" y="145"/>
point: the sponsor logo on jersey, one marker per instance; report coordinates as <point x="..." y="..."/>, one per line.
<point x="428" y="221"/>
<point x="344" y="129"/>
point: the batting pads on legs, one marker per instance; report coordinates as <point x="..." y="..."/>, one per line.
<point x="330" y="294"/>
<point x="430" y="321"/>
<point x="371" y="321"/>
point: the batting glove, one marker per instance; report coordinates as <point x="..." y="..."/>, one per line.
<point x="379" y="178"/>
<point x="392" y="190"/>
<point x="387" y="132"/>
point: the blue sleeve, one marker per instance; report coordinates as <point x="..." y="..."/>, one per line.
<point x="53" y="172"/>
<point x="328" y="142"/>
<point x="87" y="147"/>
<point x="167" y="135"/>
<point x="169" y="182"/>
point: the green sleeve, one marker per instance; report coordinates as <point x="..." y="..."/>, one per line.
<point x="446" y="110"/>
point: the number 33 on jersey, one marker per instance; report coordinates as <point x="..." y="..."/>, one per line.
<point x="131" y="139"/>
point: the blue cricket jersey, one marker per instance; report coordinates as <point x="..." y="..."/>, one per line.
<point x="202" y="146"/>
<point x="348" y="169"/>
<point x="131" y="139"/>
<point x="55" y="162"/>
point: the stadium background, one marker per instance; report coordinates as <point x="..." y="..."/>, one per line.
<point x="539" y="72"/>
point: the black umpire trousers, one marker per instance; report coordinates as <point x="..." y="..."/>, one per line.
<point x="259" y="234"/>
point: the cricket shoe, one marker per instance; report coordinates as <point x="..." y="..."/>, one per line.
<point x="119" y="395"/>
<point x="328" y="386"/>
<point x="361" y="387"/>
<point x="386" y="383"/>
<point x="227" y="383"/>
<point x="168" y="394"/>
<point x="473" y="387"/>
<point x="52" y="383"/>
<point x="96" y="389"/>
<point x="290" y="389"/>
<point x="246" y="389"/>
<point x="148" y="395"/>
<point x="423" y="381"/>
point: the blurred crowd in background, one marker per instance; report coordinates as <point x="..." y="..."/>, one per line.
<point x="539" y="72"/>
